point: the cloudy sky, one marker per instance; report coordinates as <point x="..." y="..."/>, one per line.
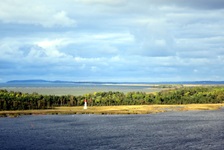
<point x="112" y="40"/>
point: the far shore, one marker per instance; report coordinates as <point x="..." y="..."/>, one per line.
<point x="80" y="90"/>
<point x="116" y="110"/>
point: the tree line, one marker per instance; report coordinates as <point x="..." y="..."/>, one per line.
<point x="10" y="100"/>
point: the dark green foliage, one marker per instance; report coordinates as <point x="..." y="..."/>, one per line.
<point x="24" y="101"/>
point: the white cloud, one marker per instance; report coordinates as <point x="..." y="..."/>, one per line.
<point x="36" y="53"/>
<point x="33" y="12"/>
<point x="146" y="40"/>
<point x="154" y="39"/>
<point x="101" y="2"/>
<point x="51" y="47"/>
<point x="60" y="19"/>
<point x="8" y="50"/>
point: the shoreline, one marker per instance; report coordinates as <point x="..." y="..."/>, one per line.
<point x="77" y="91"/>
<point x="114" y="110"/>
<point x="82" y="89"/>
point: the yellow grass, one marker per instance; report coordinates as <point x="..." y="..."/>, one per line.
<point x="126" y="109"/>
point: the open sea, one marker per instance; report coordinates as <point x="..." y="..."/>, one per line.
<point x="192" y="130"/>
<point x="75" y="88"/>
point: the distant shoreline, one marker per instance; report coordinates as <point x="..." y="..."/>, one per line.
<point x="114" y="83"/>
<point x="60" y="89"/>
<point x="77" y="89"/>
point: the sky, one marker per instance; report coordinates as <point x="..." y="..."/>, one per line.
<point x="112" y="40"/>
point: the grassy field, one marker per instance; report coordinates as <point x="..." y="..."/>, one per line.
<point x="127" y="109"/>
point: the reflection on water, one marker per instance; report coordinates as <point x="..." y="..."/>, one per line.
<point x="172" y="130"/>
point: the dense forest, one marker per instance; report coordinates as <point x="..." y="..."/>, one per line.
<point x="10" y="100"/>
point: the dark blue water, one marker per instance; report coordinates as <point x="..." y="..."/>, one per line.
<point x="172" y="130"/>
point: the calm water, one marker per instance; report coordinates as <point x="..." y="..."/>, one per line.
<point x="73" y="89"/>
<point x="172" y="130"/>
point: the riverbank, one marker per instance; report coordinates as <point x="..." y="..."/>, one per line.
<point x="104" y="110"/>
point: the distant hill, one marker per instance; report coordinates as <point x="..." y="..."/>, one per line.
<point x="27" y="81"/>
<point x="37" y="81"/>
<point x="90" y="82"/>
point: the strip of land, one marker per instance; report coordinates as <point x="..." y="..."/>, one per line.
<point x="103" y="110"/>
